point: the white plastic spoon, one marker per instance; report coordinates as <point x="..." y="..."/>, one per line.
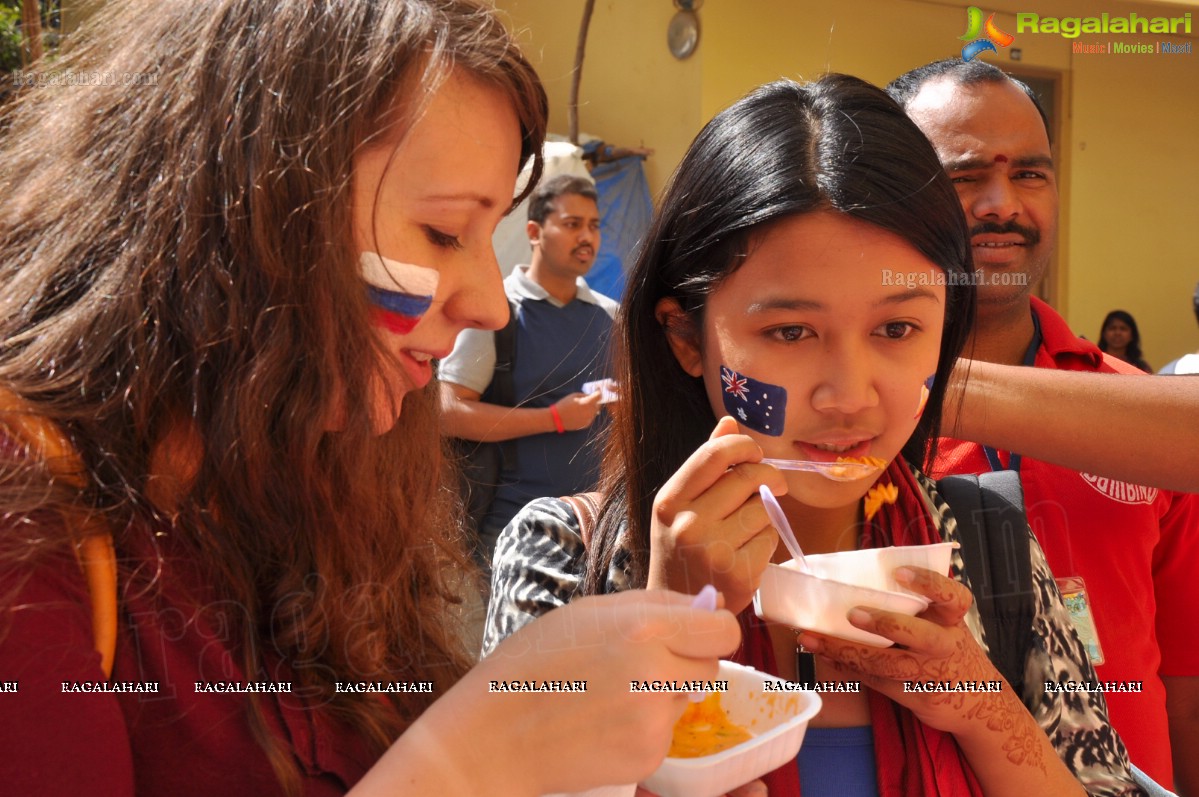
<point x="705" y="600"/>
<point x="775" y="512"/>
<point x="837" y="471"/>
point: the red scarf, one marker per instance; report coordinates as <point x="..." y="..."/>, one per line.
<point x="910" y="757"/>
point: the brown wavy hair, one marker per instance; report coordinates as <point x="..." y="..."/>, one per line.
<point x="178" y="281"/>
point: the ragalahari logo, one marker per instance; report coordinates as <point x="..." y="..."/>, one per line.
<point x="991" y="34"/>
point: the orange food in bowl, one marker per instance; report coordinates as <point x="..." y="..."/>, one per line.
<point x="877" y="462"/>
<point x="705" y="729"/>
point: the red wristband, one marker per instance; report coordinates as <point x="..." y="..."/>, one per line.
<point x="557" y="420"/>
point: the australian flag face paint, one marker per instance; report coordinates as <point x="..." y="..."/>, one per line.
<point x="759" y="406"/>
<point x="399" y="293"/>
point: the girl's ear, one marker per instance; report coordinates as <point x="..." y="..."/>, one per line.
<point x="681" y="334"/>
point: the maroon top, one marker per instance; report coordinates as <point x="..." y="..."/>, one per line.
<point x="178" y="741"/>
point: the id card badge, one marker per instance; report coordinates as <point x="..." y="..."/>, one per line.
<point x="1078" y="604"/>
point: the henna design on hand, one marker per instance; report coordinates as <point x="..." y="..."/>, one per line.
<point x="965" y="661"/>
<point x="1002" y="713"/>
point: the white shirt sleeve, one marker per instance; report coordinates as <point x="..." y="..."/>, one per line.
<point x="472" y="362"/>
<point x="610" y="306"/>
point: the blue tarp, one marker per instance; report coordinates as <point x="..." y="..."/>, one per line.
<point x="625" y="211"/>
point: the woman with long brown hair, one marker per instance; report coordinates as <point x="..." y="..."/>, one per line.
<point x="221" y="290"/>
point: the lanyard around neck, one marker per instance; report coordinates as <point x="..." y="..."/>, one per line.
<point x="1030" y="357"/>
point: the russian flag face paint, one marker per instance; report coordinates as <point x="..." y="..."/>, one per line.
<point x="759" y="406"/>
<point x="399" y="293"/>
<point x="924" y="391"/>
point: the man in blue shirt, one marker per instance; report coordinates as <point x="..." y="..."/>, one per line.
<point x="562" y="330"/>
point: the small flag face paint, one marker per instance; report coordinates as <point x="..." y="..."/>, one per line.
<point x="399" y="293"/>
<point x="924" y="391"/>
<point x="758" y="405"/>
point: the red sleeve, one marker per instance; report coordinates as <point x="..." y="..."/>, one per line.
<point x="1176" y="586"/>
<point x="55" y="743"/>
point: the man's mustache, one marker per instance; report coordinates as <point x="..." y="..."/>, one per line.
<point x="1031" y="235"/>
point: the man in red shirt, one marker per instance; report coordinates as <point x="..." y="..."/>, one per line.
<point x="1126" y="556"/>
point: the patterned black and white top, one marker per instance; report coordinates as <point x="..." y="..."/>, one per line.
<point x="538" y="566"/>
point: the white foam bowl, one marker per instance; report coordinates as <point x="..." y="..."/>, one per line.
<point x="820" y="601"/>
<point x="777" y="720"/>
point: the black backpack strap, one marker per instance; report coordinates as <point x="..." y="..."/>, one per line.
<point x="481" y="464"/>
<point x="502" y="388"/>
<point x="996" y="553"/>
